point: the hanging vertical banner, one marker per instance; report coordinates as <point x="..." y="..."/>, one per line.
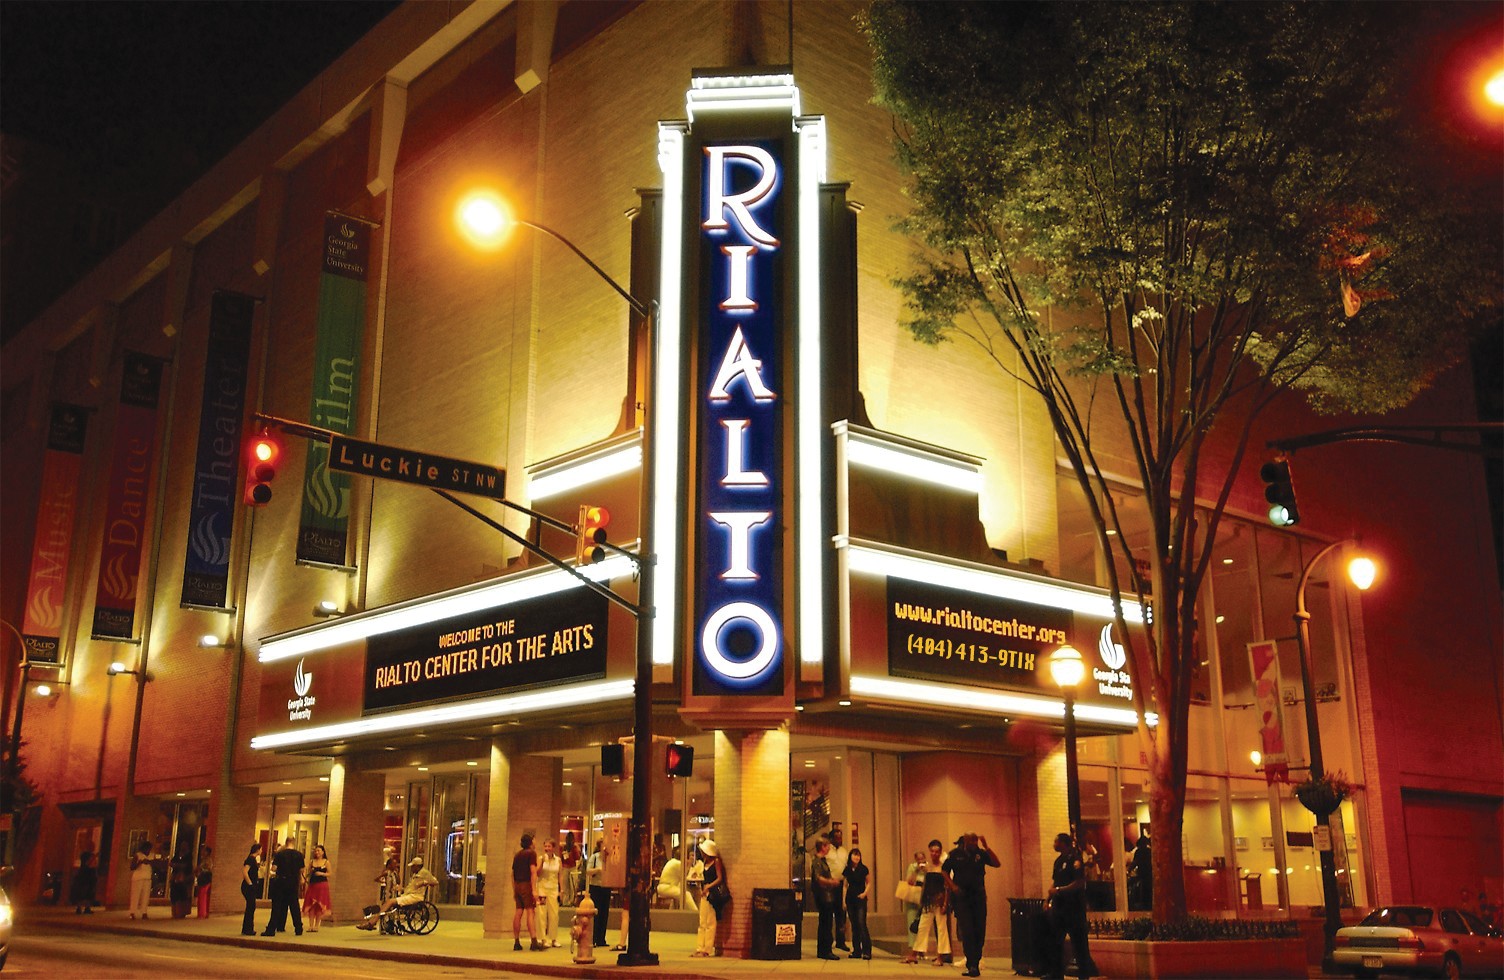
<point x="41" y="623"/>
<point x="211" y="516"/>
<point x="1263" y="658"/>
<point x="324" y="525"/>
<point x="131" y="465"/>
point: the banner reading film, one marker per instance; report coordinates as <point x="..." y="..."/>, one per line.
<point x="1263" y="659"/>
<point x="41" y="624"/>
<point x="131" y="466"/>
<point x="211" y="516"/>
<point x="324" y="525"/>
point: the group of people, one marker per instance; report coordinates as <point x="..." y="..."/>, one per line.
<point x="944" y="888"/>
<point x="834" y="873"/>
<point x="289" y="874"/>
<point x="188" y="880"/>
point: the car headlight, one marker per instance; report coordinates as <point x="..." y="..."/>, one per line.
<point x="4" y="915"/>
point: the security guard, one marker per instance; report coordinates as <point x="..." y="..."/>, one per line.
<point x="1067" y="905"/>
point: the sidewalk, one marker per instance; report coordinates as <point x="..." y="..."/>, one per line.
<point x="460" y="944"/>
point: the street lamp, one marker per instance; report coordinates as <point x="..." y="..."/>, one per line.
<point x="1067" y="668"/>
<point x="486" y="221"/>
<point x="1361" y="571"/>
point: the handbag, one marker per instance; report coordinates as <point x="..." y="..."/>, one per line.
<point x="718" y="896"/>
<point x="907" y="893"/>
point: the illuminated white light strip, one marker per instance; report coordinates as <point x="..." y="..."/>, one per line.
<point x="508" y="706"/>
<point x="666" y="396"/>
<point x="909" y="692"/>
<point x="811" y="491"/>
<point x="900" y="462"/>
<point x="1004" y="585"/>
<point x="363" y="625"/>
<point x="584" y="472"/>
<point x="742" y="98"/>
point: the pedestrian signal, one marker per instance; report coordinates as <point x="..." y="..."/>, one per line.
<point x="263" y="454"/>
<point x="1280" y="493"/>
<point x="591" y="534"/>
<point x="679" y="760"/>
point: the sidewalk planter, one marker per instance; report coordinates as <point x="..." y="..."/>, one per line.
<point x="1252" y="958"/>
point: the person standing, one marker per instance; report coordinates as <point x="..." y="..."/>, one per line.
<point x="934" y="909"/>
<point x="1066" y="902"/>
<point x="827" y="893"/>
<point x="316" y="900"/>
<point x="569" y="863"/>
<point x="85" y="881"/>
<point x="140" y="880"/>
<point x="858" y="881"/>
<point x="967" y="867"/>
<point x="717" y="891"/>
<point x="525" y="893"/>
<point x="1141" y="874"/>
<point x="549" y="870"/>
<point x="600" y="895"/>
<point x="287" y="875"/>
<point x="838" y="855"/>
<point x="203" y="880"/>
<point x="180" y="883"/>
<point x="250" y="889"/>
<point x="913" y="875"/>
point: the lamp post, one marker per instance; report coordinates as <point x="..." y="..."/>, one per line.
<point x="1362" y="571"/>
<point x="485" y="220"/>
<point x="1067" y="669"/>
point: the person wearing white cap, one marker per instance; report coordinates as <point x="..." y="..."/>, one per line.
<point x="717" y="893"/>
<point x="418" y="883"/>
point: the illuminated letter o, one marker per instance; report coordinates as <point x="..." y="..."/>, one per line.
<point x="718" y="661"/>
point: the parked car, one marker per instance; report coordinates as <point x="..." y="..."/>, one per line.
<point x="1420" y="939"/>
<point x="5" y="916"/>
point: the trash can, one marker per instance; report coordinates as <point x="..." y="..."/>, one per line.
<point x="777" y="924"/>
<point x="1026" y="917"/>
<point x="52" y="887"/>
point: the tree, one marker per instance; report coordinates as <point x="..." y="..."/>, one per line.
<point x="1162" y="217"/>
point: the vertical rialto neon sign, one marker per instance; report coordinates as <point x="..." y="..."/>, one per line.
<point x="738" y="635"/>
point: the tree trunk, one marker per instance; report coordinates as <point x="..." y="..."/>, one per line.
<point x="1167" y="813"/>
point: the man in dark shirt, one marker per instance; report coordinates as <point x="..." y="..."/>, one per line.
<point x="1067" y="905"/>
<point x="967" y="867"/>
<point x="525" y="893"/>
<point x="827" y="891"/>
<point x="287" y="875"/>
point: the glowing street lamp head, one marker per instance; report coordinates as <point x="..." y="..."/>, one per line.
<point x="1362" y="571"/>
<point x="484" y="219"/>
<point x="1493" y="89"/>
<point x="1066" y="667"/>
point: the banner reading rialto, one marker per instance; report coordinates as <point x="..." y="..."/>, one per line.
<point x="131" y="464"/>
<point x="324" y="525"/>
<point x="42" y="621"/>
<point x="211" y="516"/>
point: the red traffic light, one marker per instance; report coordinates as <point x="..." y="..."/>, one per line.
<point x="591" y="534"/>
<point x="263" y="455"/>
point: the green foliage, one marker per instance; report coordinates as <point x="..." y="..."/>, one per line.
<point x="1222" y="164"/>
<point x="1194" y="928"/>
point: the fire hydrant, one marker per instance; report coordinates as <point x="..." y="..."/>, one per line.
<point x="583" y="931"/>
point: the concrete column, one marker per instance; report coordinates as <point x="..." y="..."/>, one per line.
<point x="751" y="824"/>
<point x="232" y="830"/>
<point x="353" y="831"/>
<point x="1050" y="816"/>
<point x="496" y="912"/>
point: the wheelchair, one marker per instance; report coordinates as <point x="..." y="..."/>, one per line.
<point x="417" y="919"/>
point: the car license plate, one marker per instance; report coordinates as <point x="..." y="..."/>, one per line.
<point x="1373" y="962"/>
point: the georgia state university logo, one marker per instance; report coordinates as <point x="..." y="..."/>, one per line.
<point x="302" y="681"/>
<point x="1113" y="654"/>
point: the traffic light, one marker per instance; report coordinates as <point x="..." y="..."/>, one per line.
<point x="679" y="760"/>
<point x="1280" y="492"/>
<point x="613" y="759"/>
<point x="591" y="534"/>
<point x="263" y="454"/>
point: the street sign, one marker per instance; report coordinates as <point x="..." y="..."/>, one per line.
<point x="1322" y="835"/>
<point x="411" y="466"/>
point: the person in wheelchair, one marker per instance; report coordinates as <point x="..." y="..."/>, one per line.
<point x="416" y="891"/>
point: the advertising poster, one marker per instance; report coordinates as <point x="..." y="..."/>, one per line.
<point x="42" y="620"/>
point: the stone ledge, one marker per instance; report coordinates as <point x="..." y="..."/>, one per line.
<point x="1250" y="958"/>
